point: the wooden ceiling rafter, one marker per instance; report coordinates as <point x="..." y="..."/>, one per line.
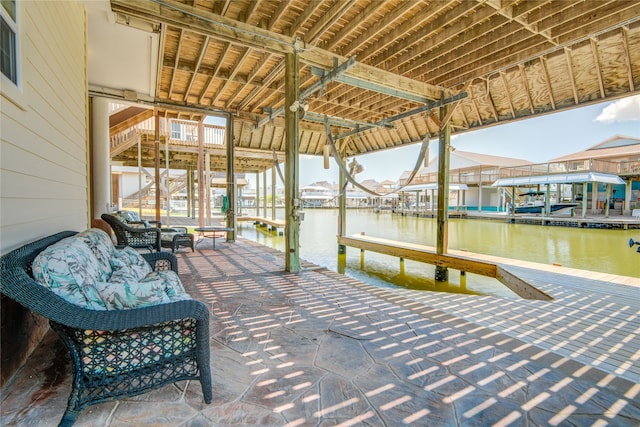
<point x="547" y="80"/>
<point x="569" y="62"/>
<point x="596" y="64"/>
<point x="194" y="74"/>
<point x="175" y="65"/>
<point x="517" y="58"/>
<point x="627" y="58"/>
<point x="246" y="52"/>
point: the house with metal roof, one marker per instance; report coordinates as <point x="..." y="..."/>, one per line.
<point x="470" y="181"/>
<point x="604" y="177"/>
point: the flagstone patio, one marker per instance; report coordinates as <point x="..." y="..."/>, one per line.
<point x="322" y="349"/>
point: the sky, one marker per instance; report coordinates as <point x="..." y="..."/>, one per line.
<point x="537" y="140"/>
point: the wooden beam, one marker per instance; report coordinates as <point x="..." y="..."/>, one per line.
<point x="203" y="51"/>
<point x="442" y="221"/>
<point x="572" y="79"/>
<point x="525" y="85"/>
<point x="214" y="73"/>
<point x="627" y="57"/>
<point x="547" y="80"/>
<point x="490" y="100"/>
<point x="596" y="64"/>
<point x="330" y="17"/>
<point x="292" y="201"/>
<point x="180" y="15"/>
<point x="503" y="78"/>
<point x="419" y="253"/>
<point x="175" y="64"/>
<point x="362" y="17"/>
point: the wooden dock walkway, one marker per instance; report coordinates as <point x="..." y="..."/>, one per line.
<point x="458" y="260"/>
<point x="272" y="224"/>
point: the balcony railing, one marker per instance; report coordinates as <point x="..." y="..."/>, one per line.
<point x="186" y="133"/>
<point x="487" y="175"/>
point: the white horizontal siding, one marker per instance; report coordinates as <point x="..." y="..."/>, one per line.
<point x="43" y="157"/>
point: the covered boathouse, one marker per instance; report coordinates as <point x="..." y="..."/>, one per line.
<point x="321" y="78"/>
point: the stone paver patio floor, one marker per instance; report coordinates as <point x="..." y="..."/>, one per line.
<point x="321" y="349"/>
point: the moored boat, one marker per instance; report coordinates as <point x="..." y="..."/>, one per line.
<point x="535" y="204"/>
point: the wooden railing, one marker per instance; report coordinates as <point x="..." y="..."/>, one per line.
<point x="487" y="175"/>
<point x="187" y="135"/>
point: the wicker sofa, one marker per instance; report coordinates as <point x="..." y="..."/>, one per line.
<point x="123" y="339"/>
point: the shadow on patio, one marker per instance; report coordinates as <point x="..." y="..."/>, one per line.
<point x="319" y="348"/>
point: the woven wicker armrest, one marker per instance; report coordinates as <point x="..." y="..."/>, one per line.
<point x="136" y="237"/>
<point x="162" y="260"/>
<point x="116" y="353"/>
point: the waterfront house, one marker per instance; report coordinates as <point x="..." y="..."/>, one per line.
<point x="471" y="177"/>
<point x="619" y="155"/>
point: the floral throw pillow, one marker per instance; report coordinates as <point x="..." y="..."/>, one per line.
<point x="131" y="262"/>
<point x="124" y="294"/>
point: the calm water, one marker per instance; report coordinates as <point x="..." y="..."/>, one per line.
<point x="596" y="250"/>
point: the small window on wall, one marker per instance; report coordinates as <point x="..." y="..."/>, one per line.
<point x="176" y="132"/>
<point x="9" y="31"/>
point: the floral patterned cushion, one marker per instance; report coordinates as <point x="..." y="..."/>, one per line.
<point x="125" y="294"/>
<point x="88" y="271"/>
<point x="129" y="260"/>
<point x="132" y="219"/>
<point x="172" y="284"/>
<point x="69" y="268"/>
<point x="102" y="247"/>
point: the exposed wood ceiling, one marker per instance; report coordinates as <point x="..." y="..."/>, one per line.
<point x="514" y="59"/>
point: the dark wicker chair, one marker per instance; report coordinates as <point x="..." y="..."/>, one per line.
<point x="136" y="237"/>
<point x="116" y="353"/>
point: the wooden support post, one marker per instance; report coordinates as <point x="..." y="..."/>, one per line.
<point x="342" y="221"/>
<point x="188" y="177"/>
<point x="207" y="182"/>
<point x="361" y="259"/>
<point x="257" y="198"/>
<point x="201" y="180"/>
<point x="547" y="200"/>
<point x="264" y="193"/>
<point x="442" y="233"/>
<point x="402" y="266"/>
<point x="607" y="201"/>
<point x="585" y="188"/>
<point x="157" y="162"/>
<point x="231" y="181"/>
<point x="273" y="193"/>
<point x="292" y="201"/>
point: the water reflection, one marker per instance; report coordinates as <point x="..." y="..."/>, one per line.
<point x="590" y="249"/>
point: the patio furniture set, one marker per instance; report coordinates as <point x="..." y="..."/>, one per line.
<point x="127" y="322"/>
<point x="124" y="316"/>
<point x="132" y="231"/>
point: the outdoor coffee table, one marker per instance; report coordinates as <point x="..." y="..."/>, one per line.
<point x="212" y="232"/>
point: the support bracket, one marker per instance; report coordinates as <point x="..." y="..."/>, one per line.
<point x="326" y="78"/>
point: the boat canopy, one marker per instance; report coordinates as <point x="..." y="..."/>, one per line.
<point x="562" y="178"/>
<point x="432" y="186"/>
